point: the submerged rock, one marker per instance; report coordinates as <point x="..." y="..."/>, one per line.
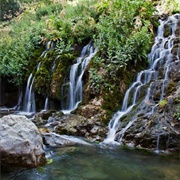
<point x="20" y="143"/>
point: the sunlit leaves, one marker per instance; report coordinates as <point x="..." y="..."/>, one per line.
<point x="119" y="36"/>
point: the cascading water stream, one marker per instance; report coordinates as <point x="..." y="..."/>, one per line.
<point x="0" y="93"/>
<point x="46" y="104"/>
<point x="160" y="57"/>
<point x="72" y="91"/>
<point x="29" y="104"/>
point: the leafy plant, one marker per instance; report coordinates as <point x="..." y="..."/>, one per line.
<point x="120" y="37"/>
<point x="96" y="81"/>
<point x="177" y="114"/>
<point x="49" y="161"/>
<point x="9" y="9"/>
<point x="61" y="48"/>
<point x="45" y="10"/>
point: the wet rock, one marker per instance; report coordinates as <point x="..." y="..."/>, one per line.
<point x="158" y="131"/>
<point x="42" y="117"/>
<point x="94" y="130"/>
<point x="70" y="124"/>
<point x="167" y="30"/>
<point x="53" y="140"/>
<point x="174" y="71"/>
<point x="77" y="125"/>
<point x="20" y="143"/>
<point x="89" y="111"/>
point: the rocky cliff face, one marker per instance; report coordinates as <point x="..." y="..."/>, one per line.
<point x="156" y="119"/>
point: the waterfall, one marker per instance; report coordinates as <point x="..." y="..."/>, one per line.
<point x="46" y="104"/>
<point x="29" y="98"/>
<point x="18" y="106"/>
<point x="160" y="58"/>
<point x="0" y="92"/>
<point x="29" y="104"/>
<point x="72" y="90"/>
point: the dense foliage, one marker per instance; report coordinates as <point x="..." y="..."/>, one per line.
<point x="120" y="29"/>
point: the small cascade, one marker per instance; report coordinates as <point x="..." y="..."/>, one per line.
<point x="46" y="104"/>
<point x="29" y="104"/>
<point x="0" y="93"/>
<point x="160" y="58"/>
<point x="18" y="106"/>
<point x="157" y="143"/>
<point x="29" y="99"/>
<point x="72" y="90"/>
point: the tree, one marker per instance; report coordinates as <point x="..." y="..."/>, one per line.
<point x="9" y="9"/>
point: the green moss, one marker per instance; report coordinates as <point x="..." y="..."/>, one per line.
<point x="62" y="70"/>
<point x="176" y="115"/>
<point x="42" y="81"/>
<point x="163" y="103"/>
<point x="48" y="60"/>
<point x="167" y="30"/>
<point x="177" y="101"/>
<point x="57" y="81"/>
<point x="111" y="100"/>
<point x="120" y="82"/>
<point x="170" y="87"/>
<point x="157" y="96"/>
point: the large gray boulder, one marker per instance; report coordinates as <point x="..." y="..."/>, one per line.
<point x="20" y="142"/>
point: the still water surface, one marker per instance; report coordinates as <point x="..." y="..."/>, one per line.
<point x="84" y="162"/>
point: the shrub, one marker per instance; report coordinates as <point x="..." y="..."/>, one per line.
<point x="177" y="113"/>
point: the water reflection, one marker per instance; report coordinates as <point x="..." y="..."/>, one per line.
<point x="95" y="163"/>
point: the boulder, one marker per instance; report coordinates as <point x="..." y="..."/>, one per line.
<point x="20" y="143"/>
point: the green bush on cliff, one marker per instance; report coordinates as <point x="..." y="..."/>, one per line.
<point x="121" y="31"/>
<point x="176" y="115"/>
<point x="123" y="36"/>
<point x="45" y="10"/>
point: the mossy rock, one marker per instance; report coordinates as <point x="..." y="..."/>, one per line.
<point x="171" y="87"/>
<point x="48" y="60"/>
<point x="57" y="81"/>
<point x="42" y="82"/>
<point x="167" y="30"/>
<point x="62" y="70"/>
